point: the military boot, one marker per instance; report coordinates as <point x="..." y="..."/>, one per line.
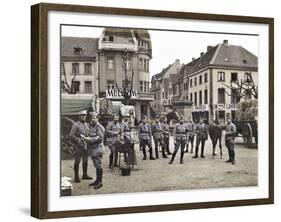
<point x="99" y="179"/>
<point x="173" y="157"/>
<point x="144" y="154"/>
<point x="96" y="181"/>
<point x="196" y="152"/>
<point x="181" y="159"/>
<point x="85" y="175"/>
<point x="111" y="161"/>
<point x="76" y="173"/>
<point x="150" y="155"/>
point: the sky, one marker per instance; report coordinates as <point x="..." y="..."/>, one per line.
<point x="167" y="46"/>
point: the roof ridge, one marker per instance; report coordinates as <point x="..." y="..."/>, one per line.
<point x="216" y="53"/>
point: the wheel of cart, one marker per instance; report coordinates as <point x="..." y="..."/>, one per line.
<point x="247" y="130"/>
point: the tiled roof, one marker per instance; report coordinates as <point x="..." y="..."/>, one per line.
<point x="89" y="47"/>
<point x="158" y="76"/>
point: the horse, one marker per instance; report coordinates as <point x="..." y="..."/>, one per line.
<point x="215" y="132"/>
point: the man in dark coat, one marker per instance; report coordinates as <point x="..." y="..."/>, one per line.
<point x="158" y="138"/>
<point x="201" y="131"/>
<point x="78" y="130"/>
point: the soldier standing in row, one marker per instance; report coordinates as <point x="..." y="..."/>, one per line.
<point x="180" y="138"/>
<point x="145" y="136"/>
<point x="190" y="135"/>
<point x="157" y="133"/>
<point x="201" y="131"/>
<point x="78" y="130"/>
<point x="166" y="135"/>
<point x="113" y="132"/>
<point x="95" y="148"/>
<point x="230" y="133"/>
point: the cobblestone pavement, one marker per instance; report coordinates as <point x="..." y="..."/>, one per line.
<point x="158" y="175"/>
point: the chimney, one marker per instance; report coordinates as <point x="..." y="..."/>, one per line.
<point x="193" y="58"/>
<point x="202" y="53"/>
<point x="209" y="47"/>
<point x="177" y="60"/>
<point x="225" y="42"/>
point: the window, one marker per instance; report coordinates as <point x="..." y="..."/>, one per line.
<point x="76" y="86"/>
<point x="195" y="81"/>
<point x="127" y="64"/>
<point x="195" y="98"/>
<point x="88" y="68"/>
<point x="200" y="80"/>
<point x="205" y="77"/>
<point x="140" y="64"/>
<point x="77" y="50"/>
<point x="221" y="95"/>
<point x="163" y="95"/>
<point x="200" y="97"/>
<point x="190" y="83"/>
<point x="110" y="84"/>
<point x="147" y="86"/>
<point x="247" y="77"/>
<point x="221" y="76"/>
<point x="110" y="63"/>
<point x="144" y="86"/>
<point x="88" y="86"/>
<point x="191" y="97"/>
<point x="234" y="94"/>
<point x="111" y="38"/>
<point x="234" y="77"/>
<point x="75" y="68"/>
<point x="205" y="96"/>
<point x="141" y="86"/>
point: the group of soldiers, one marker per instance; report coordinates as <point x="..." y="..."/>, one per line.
<point x="89" y="140"/>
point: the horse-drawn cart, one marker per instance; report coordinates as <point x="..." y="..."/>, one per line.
<point x="248" y="130"/>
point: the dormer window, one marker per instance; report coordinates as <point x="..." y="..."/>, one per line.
<point x="244" y="61"/>
<point x="111" y="38"/>
<point x="78" y="50"/>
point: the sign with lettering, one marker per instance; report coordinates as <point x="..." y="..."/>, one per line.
<point x="203" y="107"/>
<point x="115" y="94"/>
<point x="225" y="106"/>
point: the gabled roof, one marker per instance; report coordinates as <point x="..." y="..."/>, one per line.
<point x="159" y="76"/>
<point x="89" y="47"/>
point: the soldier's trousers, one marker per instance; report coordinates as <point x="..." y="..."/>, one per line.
<point x="113" y="153"/>
<point x="167" y="144"/>
<point x="97" y="161"/>
<point x="230" y="147"/>
<point x="81" y="154"/>
<point x="190" y="140"/>
<point x="179" y="144"/>
<point x="143" y="144"/>
<point x="158" y="142"/>
<point x="199" y="140"/>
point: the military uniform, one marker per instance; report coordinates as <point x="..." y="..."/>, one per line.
<point x="157" y="133"/>
<point x="166" y="135"/>
<point x="190" y="135"/>
<point x="201" y="131"/>
<point x="144" y="132"/>
<point x="80" y="128"/>
<point x="230" y="133"/>
<point x="95" y="149"/>
<point x="113" y="132"/>
<point x="180" y="138"/>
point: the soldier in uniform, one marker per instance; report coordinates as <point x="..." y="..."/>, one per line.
<point x="166" y="135"/>
<point x="230" y="133"/>
<point x="78" y="130"/>
<point x="201" y="131"/>
<point x="113" y="132"/>
<point x="180" y="138"/>
<point x="95" y="148"/>
<point x="157" y="133"/>
<point x="144" y="132"/>
<point x="190" y="135"/>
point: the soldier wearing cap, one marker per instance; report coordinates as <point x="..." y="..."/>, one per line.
<point x="145" y="135"/>
<point x="230" y="133"/>
<point x="201" y="131"/>
<point x="180" y="138"/>
<point x="77" y="132"/>
<point x="95" y="148"/>
<point x="157" y="133"/>
<point x="166" y="135"/>
<point x="114" y="133"/>
<point x="190" y="135"/>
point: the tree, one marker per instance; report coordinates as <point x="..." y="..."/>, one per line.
<point x="68" y="88"/>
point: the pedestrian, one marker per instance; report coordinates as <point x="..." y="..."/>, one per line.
<point x="230" y="133"/>
<point x="201" y="131"/>
<point x="78" y="130"/>
<point x="95" y="149"/>
<point x="158" y="138"/>
<point x="180" y="138"/>
<point x="190" y="135"/>
<point x="166" y="135"/>
<point x="113" y="132"/>
<point x="144" y="131"/>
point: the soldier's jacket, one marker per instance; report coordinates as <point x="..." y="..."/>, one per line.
<point x="113" y="132"/>
<point x="76" y="131"/>
<point x="230" y="132"/>
<point x="202" y="131"/>
<point x="157" y="131"/>
<point x="95" y="141"/>
<point x="144" y="131"/>
<point x="126" y="131"/>
<point x="190" y="127"/>
<point x="166" y="130"/>
<point x="180" y="132"/>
